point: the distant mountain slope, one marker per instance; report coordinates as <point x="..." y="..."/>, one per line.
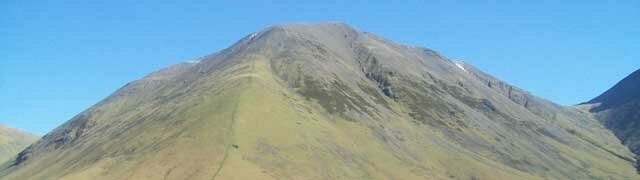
<point x="619" y="109"/>
<point x="13" y="141"/>
<point x="324" y="101"/>
<point x="625" y="91"/>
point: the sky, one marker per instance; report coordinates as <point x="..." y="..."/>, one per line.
<point x="58" y="58"/>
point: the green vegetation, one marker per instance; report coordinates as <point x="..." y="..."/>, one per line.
<point x="13" y="141"/>
<point x="324" y="101"/>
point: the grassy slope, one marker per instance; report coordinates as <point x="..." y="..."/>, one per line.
<point x="13" y="141"/>
<point x="175" y="137"/>
<point x="238" y="116"/>
<point x="618" y="108"/>
<point x="287" y="138"/>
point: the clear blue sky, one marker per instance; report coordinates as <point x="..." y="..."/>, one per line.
<point x="57" y="58"/>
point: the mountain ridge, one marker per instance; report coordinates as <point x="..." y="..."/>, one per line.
<point x="618" y="109"/>
<point x="619" y="93"/>
<point x="324" y="101"/>
<point x="13" y="140"/>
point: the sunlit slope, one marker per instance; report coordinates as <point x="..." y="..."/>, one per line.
<point x="279" y="134"/>
<point x="13" y="141"/>
<point x="324" y="101"/>
<point x="163" y="125"/>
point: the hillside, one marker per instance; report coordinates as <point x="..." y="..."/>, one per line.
<point x="13" y="141"/>
<point x="324" y="101"/>
<point x="619" y="109"/>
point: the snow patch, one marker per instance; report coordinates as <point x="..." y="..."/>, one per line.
<point x="193" y="62"/>
<point x="253" y="35"/>
<point x="460" y="65"/>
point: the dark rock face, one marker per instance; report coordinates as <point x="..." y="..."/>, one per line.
<point x="627" y="90"/>
<point x="619" y="109"/>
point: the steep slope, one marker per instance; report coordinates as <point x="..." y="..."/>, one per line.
<point x="13" y="141"/>
<point x="324" y="101"/>
<point x="619" y="109"/>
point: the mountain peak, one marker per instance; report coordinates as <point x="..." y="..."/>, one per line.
<point x="323" y="101"/>
<point x="618" y="109"/>
<point x="278" y="35"/>
<point x="315" y="25"/>
<point x="320" y="30"/>
<point x="624" y="91"/>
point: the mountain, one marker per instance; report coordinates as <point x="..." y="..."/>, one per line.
<point x="13" y="141"/>
<point x="324" y="101"/>
<point x="619" y="110"/>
